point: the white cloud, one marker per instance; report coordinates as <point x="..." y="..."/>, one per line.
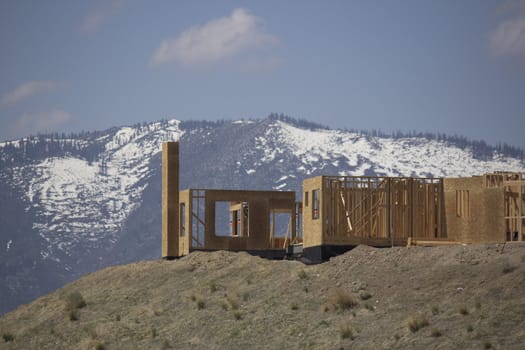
<point x="30" y="123"/>
<point x="96" y="19"/>
<point x="28" y="89"/>
<point x="509" y="36"/>
<point x="226" y="37"/>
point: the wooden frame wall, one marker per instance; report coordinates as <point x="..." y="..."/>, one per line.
<point x="200" y="218"/>
<point x="374" y="210"/>
<point x="513" y="185"/>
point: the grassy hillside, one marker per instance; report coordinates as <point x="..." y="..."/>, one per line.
<point x="461" y="297"/>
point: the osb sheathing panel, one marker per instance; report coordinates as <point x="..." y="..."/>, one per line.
<point x="170" y="199"/>
<point x="260" y="204"/>
<point x="184" y="241"/>
<point x="312" y="228"/>
<point x="485" y="222"/>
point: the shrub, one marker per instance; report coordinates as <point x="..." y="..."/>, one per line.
<point x="8" y="337"/>
<point x="154" y="332"/>
<point x="416" y="323"/>
<point x="73" y="315"/>
<point x="100" y="346"/>
<point x="302" y="274"/>
<point x="346" y="331"/>
<point x="487" y="345"/>
<point x="165" y="345"/>
<point x="237" y="315"/>
<point x="201" y="304"/>
<point x="213" y="287"/>
<point x="435" y="310"/>
<point x="294" y="306"/>
<point x="369" y="307"/>
<point x="233" y="301"/>
<point x="75" y="300"/>
<point x="435" y="332"/>
<point x="508" y="268"/>
<point x="343" y="299"/>
<point x="364" y="295"/>
<point x="463" y="310"/>
<point x="470" y="328"/>
<point x="324" y="323"/>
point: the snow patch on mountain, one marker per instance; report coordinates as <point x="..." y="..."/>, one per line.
<point x="385" y="156"/>
<point x="78" y="201"/>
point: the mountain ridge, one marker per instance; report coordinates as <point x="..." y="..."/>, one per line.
<point x="81" y="203"/>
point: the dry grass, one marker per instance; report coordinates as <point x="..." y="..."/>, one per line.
<point x="265" y="320"/>
<point x="364" y="295"/>
<point x="8" y="337"/>
<point x="233" y="300"/>
<point x="463" y="310"/>
<point x="342" y="299"/>
<point x="75" y="300"/>
<point x="435" y="333"/>
<point x="415" y="323"/>
<point x="435" y="310"/>
<point x="508" y="268"/>
<point x="345" y="331"/>
<point x="302" y="274"/>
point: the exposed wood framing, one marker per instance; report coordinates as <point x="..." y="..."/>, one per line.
<point x="381" y="209"/>
<point x="251" y="216"/>
<point x="513" y="185"/>
<point x="342" y="211"/>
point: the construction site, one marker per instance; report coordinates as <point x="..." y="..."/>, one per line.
<point x="338" y="213"/>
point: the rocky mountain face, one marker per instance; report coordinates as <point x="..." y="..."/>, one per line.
<point x="70" y="205"/>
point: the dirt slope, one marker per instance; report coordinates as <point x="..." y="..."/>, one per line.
<point x="461" y="297"/>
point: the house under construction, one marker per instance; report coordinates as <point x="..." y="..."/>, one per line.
<point x="340" y="212"/>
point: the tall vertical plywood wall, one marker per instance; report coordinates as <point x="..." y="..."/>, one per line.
<point x="312" y="226"/>
<point x="170" y="200"/>
<point x="474" y="213"/>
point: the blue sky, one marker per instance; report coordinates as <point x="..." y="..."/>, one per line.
<point x="442" y="66"/>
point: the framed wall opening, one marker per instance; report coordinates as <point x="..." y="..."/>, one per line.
<point x="198" y="215"/>
<point x="182" y="221"/>
<point x="223" y="219"/>
<point x="232" y="219"/>
<point x="280" y="228"/>
<point x="315" y="204"/>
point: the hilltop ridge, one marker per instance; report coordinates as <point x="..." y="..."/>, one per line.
<point x="458" y="297"/>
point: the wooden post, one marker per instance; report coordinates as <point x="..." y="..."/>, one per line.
<point x="520" y="214"/>
<point x="170" y="200"/>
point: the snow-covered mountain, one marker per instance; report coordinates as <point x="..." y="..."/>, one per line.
<point x="71" y="205"/>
